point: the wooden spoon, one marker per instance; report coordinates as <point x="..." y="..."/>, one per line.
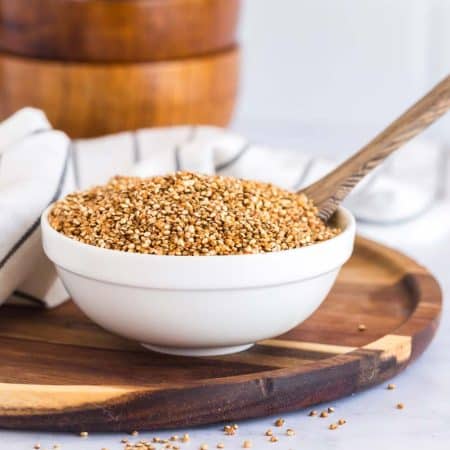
<point x="328" y="192"/>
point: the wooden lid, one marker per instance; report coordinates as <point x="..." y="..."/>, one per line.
<point x="117" y="31"/>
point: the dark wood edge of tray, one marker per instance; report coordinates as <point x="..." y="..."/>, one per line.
<point x="271" y="392"/>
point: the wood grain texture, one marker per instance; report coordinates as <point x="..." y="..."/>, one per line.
<point x="60" y="371"/>
<point x="117" y="31"/>
<point x="87" y="100"/>
<point x="329" y="191"/>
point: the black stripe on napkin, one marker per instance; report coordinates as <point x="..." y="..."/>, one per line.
<point x="234" y="159"/>
<point x="73" y="149"/>
<point x="137" y="154"/>
<point x="177" y="159"/>
<point x="35" y="225"/>
<point x="28" y="297"/>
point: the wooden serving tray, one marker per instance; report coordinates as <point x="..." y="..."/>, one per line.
<point x="88" y="100"/>
<point x="117" y="31"/>
<point x="59" y="371"/>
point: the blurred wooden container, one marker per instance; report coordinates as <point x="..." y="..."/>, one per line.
<point x="104" y="66"/>
<point x="117" y="30"/>
<point x="87" y="99"/>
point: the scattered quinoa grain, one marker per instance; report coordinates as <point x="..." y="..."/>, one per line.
<point x="235" y="426"/>
<point x="220" y="445"/>
<point x="342" y="422"/>
<point x="290" y="432"/>
<point x="323" y="414"/>
<point x="362" y="327"/>
<point x="391" y="386"/>
<point x="174" y="438"/>
<point x="312" y="413"/>
<point x="37" y="446"/>
<point x="333" y="426"/>
<point x="273" y="439"/>
<point x="185" y="438"/>
<point x="330" y="409"/>
<point x="134" y="433"/>
<point x="229" y="430"/>
<point x="204" y="447"/>
<point x="279" y="422"/>
<point x="84" y="434"/>
<point x="190" y="214"/>
<point x="400" y="406"/>
<point x="269" y="432"/>
<point x="247" y="444"/>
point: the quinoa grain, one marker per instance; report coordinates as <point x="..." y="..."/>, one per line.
<point x="189" y="214"/>
<point x="229" y="430"/>
<point x="279" y="422"/>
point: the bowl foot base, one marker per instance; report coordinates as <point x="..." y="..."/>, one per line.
<point x="200" y="351"/>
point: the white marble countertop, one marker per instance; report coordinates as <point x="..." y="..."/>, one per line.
<point x="373" y="420"/>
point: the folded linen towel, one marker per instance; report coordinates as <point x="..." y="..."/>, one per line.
<point x="38" y="165"/>
<point x="34" y="172"/>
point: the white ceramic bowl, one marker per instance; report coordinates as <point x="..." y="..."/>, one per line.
<point x="199" y="305"/>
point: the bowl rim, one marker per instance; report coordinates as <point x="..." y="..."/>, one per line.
<point x="144" y="269"/>
<point x="350" y="224"/>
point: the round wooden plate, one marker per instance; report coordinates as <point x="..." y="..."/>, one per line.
<point x="59" y="371"/>
<point x="117" y="31"/>
<point x="86" y="99"/>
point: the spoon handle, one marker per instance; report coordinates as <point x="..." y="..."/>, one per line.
<point x="328" y="192"/>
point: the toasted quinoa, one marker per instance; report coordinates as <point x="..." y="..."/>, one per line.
<point x="190" y="214"/>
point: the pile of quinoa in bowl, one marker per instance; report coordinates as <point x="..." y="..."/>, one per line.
<point x="190" y="214"/>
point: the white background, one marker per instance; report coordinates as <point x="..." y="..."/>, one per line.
<point x="327" y="74"/>
<point x="339" y="62"/>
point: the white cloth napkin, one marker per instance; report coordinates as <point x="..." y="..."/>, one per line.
<point x="38" y="165"/>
